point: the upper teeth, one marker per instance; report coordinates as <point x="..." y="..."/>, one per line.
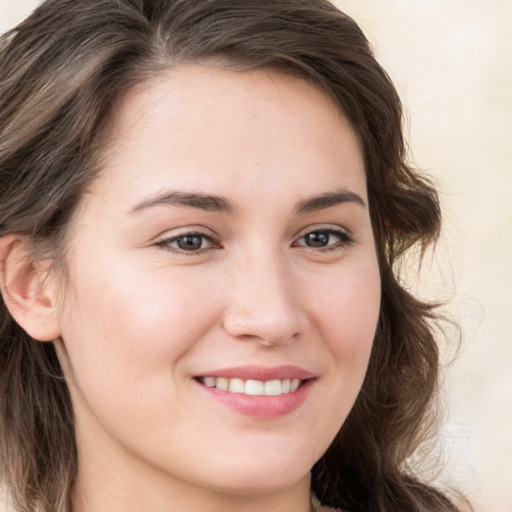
<point x="253" y="387"/>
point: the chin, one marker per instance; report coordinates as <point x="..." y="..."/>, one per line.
<point x="268" y="475"/>
<point x="259" y="485"/>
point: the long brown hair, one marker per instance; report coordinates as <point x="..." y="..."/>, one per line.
<point x="62" y="72"/>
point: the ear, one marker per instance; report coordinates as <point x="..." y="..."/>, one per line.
<point x="28" y="295"/>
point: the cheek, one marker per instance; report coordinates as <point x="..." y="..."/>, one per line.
<point x="348" y="306"/>
<point x="137" y="328"/>
<point x="348" y="311"/>
<point x="127" y="347"/>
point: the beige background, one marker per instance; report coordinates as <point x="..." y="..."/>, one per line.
<point x="452" y="62"/>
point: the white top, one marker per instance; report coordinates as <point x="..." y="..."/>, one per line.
<point x="318" y="507"/>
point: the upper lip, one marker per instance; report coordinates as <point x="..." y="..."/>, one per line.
<point x="261" y="373"/>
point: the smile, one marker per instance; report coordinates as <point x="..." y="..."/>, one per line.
<point x="256" y="391"/>
<point x="252" y="387"/>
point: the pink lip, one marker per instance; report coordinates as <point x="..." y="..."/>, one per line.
<point x="261" y="373"/>
<point x="261" y="406"/>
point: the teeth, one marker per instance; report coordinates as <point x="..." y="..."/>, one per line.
<point x="210" y="381"/>
<point x="253" y="387"/>
<point x="222" y="384"/>
<point x="236" y="386"/>
<point x="273" y="387"/>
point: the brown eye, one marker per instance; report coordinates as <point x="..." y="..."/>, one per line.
<point x="190" y="242"/>
<point x="317" y="239"/>
<point x="325" y="239"/>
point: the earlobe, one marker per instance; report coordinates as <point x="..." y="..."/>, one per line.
<point x="29" y="297"/>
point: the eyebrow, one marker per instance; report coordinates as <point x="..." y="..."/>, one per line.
<point x="329" y="199"/>
<point x="205" y="202"/>
<point x="213" y="203"/>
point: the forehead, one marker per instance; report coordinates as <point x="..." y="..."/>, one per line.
<point x="209" y="128"/>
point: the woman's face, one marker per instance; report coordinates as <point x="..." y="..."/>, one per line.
<point x="227" y="244"/>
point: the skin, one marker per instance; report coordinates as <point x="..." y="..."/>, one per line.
<point x="141" y="317"/>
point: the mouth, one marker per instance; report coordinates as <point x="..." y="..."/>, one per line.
<point x="252" y="387"/>
<point x="259" y="392"/>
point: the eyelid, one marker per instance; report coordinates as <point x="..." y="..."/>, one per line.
<point x="345" y="235"/>
<point x="334" y="228"/>
<point x="164" y="240"/>
<point x="195" y="229"/>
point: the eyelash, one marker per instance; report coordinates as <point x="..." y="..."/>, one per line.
<point x="166" y="243"/>
<point x="344" y="240"/>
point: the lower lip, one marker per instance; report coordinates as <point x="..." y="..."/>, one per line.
<point x="261" y="406"/>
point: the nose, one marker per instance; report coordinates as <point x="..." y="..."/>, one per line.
<point x="264" y="303"/>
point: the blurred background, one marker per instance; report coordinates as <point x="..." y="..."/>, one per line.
<point x="452" y="63"/>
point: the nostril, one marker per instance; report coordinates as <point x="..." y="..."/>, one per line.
<point x="261" y="328"/>
<point x="267" y="315"/>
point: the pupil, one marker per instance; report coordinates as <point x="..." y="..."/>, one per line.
<point x="317" y="239"/>
<point x="189" y="242"/>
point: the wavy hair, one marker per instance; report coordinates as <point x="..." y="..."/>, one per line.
<point x="62" y="72"/>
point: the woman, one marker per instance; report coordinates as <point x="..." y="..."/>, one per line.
<point x="204" y="206"/>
